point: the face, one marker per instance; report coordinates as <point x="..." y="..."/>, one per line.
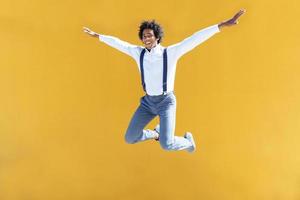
<point x="149" y="39"/>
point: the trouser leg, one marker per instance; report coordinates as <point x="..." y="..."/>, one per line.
<point x="135" y="131"/>
<point x="167" y="115"/>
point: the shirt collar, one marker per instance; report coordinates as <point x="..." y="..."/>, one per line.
<point x="156" y="49"/>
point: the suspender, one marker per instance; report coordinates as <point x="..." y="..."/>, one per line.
<point x="142" y="68"/>
<point x="165" y="69"/>
<point x="165" y="72"/>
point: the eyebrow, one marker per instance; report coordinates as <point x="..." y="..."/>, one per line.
<point x="148" y="34"/>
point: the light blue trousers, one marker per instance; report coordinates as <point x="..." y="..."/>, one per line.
<point x="150" y="106"/>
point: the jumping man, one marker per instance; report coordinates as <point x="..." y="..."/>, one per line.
<point x="157" y="65"/>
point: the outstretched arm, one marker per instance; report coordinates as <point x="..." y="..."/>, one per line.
<point x="125" y="47"/>
<point x="199" y="37"/>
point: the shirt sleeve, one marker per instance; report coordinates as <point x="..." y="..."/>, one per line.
<point x="125" y="47"/>
<point x="194" y="40"/>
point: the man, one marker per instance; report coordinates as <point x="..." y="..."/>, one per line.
<point x="157" y="65"/>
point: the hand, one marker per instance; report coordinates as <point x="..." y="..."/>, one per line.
<point x="233" y="20"/>
<point x="90" y="32"/>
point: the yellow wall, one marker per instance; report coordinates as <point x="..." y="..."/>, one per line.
<point x="66" y="100"/>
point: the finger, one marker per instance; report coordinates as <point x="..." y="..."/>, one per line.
<point x="243" y="9"/>
<point x="241" y="12"/>
<point x="237" y="15"/>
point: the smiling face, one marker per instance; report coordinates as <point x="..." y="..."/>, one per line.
<point x="149" y="39"/>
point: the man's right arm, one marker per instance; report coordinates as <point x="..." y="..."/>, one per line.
<point x="125" y="47"/>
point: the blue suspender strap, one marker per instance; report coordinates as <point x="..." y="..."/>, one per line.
<point x="165" y="72"/>
<point x="142" y="68"/>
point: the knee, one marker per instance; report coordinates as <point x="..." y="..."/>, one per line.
<point x="129" y="139"/>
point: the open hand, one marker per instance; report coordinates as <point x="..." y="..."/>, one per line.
<point x="233" y="20"/>
<point x="90" y="32"/>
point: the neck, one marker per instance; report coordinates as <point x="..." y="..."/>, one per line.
<point x="149" y="49"/>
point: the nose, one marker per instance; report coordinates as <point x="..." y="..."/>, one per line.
<point x="147" y="37"/>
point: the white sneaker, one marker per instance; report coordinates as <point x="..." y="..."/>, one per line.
<point x="190" y="138"/>
<point x="157" y="130"/>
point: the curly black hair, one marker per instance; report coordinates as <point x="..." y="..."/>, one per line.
<point x="157" y="29"/>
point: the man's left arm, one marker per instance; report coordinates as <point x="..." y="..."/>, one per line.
<point x="199" y="37"/>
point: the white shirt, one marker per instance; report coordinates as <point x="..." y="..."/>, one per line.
<point x="153" y="60"/>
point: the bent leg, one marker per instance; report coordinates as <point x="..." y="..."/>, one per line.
<point x="167" y="117"/>
<point x="140" y="119"/>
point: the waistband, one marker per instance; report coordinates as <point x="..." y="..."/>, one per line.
<point x="161" y="95"/>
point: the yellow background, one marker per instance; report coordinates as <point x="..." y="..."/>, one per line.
<point x="66" y="101"/>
